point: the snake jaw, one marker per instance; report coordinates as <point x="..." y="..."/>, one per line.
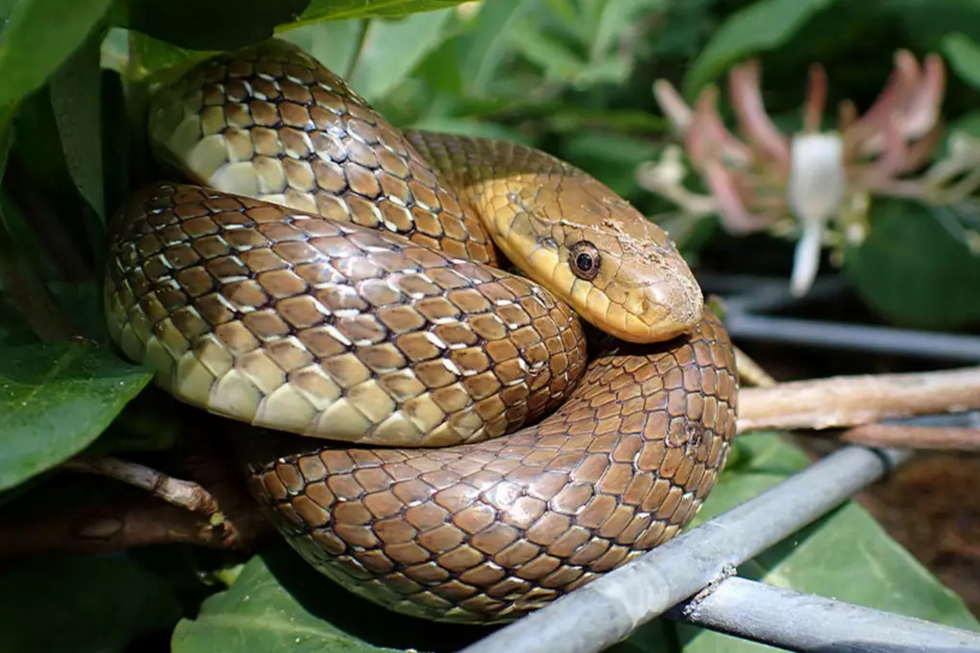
<point x="656" y="312"/>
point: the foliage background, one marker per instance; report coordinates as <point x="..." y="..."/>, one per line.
<point x="572" y="77"/>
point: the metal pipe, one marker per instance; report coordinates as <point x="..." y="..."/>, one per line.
<point x="608" y="609"/>
<point x="805" y="622"/>
<point x="746" y="326"/>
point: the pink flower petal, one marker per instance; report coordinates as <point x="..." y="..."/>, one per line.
<point x="816" y="98"/>
<point x="673" y="105"/>
<point x="733" y="213"/>
<point x="926" y="101"/>
<point x="746" y="95"/>
<point x="866" y="135"/>
<point x="714" y="139"/>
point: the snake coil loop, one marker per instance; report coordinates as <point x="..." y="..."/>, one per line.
<point x="329" y="276"/>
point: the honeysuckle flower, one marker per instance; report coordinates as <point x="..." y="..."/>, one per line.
<point x="815" y="184"/>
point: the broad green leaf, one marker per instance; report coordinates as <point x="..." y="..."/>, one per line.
<point x="764" y="25"/>
<point x="278" y="603"/>
<point x="610" y="158"/>
<point x="963" y="55"/>
<point x="55" y="399"/>
<point x="915" y="267"/>
<point x="333" y="43"/>
<point x="554" y="57"/>
<point x="213" y="25"/>
<point x="320" y="10"/>
<point x="925" y="24"/>
<point x="484" y="48"/>
<point x="45" y="194"/>
<point x="76" y="98"/>
<point x="441" y="70"/>
<point x="475" y="128"/>
<point x="33" y="46"/>
<point x="14" y="331"/>
<point x="846" y="555"/>
<point x="82" y="604"/>
<point x="392" y="48"/>
<point x="617" y="17"/>
<point x="5" y="142"/>
<point x="145" y="58"/>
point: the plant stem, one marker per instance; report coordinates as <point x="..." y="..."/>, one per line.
<point x="854" y="400"/>
<point x="184" y="494"/>
<point x="751" y="372"/>
<point x="914" y="437"/>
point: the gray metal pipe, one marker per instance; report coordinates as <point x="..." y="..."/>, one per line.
<point x="944" y="346"/>
<point x="608" y="609"/>
<point x="807" y="623"/>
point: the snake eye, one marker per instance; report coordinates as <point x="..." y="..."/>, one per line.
<point x="584" y="260"/>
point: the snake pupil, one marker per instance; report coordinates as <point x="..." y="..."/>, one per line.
<point x="584" y="260"/>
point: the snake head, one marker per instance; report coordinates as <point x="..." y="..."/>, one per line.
<point x="616" y="269"/>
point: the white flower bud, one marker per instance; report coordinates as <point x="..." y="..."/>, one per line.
<point x="814" y="195"/>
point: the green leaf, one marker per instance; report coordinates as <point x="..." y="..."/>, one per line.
<point x="762" y="26"/>
<point x="486" y="46"/>
<point x="278" y="603"/>
<point x="142" y="58"/>
<point x="963" y="55"/>
<point x="392" y="48"/>
<point x="611" y="158"/>
<point x="553" y="56"/>
<point x="33" y="45"/>
<point x="55" y="399"/>
<point x="915" y="268"/>
<point x="617" y="17"/>
<point x="320" y="10"/>
<point x="846" y="555"/>
<point x="333" y="43"/>
<point x="81" y="604"/>
<point x="441" y="73"/>
<point x="213" y="25"/>
<point x="45" y="194"/>
<point x="76" y="98"/>
<point x="475" y="128"/>
<point x="925" y="24"/>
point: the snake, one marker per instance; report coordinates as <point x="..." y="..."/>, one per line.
<point x="401" y="314"/>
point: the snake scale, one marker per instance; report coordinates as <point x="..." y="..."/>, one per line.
<point x="332" y="277"/>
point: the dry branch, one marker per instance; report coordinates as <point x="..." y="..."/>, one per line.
<point x="215" y="511"/>
<point x="751" y="372"/>
<point x="914" y="437"/>
<point x="184" y="494"/>
<point x="854" y="400"/>
<point x="121" y="526"/>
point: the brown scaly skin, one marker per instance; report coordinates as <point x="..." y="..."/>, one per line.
<point x="329" y="329"/>
<point x="303" y="316"/>
<point x="490" y="531"/>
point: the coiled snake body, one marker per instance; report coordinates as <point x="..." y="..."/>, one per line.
<point x="334" y="278"/>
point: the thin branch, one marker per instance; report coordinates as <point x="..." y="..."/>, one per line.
<point x="184" y="494"/>
<point x="121" y="526"/>
<point x="914" y="437"/>
<point x="855" y="400"/>
<point x="216" y="511"/>
<point x="751" y="372"/>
